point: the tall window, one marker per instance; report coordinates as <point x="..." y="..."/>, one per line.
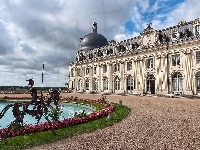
<point x="79" y="72"/>
<point x="117" y="83"/>
<point x="150" y="63"/>
<point x="116" y="67"/>
<point x="72" y="85"/>
<point x="87" y="84"/>
<point x="176" y="60"/>
<point x="80" y="85"/>
<point x="198" y="57"/>
<point x="104" y="68"/>
<point x="95" y="83"/>
<point x="105" y="83"/>
<point x="95" y="70"/>
<point x="129" y="65"/>
<point x="72" y="72"/>
<point x="87" y="70"/>
<point x="130" y="83"/>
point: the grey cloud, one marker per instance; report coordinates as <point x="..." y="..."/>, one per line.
<point x="26" y="48"/>
<point x="51" y="30"/>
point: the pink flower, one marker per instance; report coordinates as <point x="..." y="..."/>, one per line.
<point x="61" y="124"/>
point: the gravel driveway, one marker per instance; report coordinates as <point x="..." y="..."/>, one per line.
<point x="154" y="123"/>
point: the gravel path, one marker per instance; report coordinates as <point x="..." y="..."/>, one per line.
<point x="154" y="123"/>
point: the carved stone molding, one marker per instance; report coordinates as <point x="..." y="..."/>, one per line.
<point x="188" y="51"/>
<point x="195" y="72"/>
<point x="127" y="75"/>
<point x="114" y="76"/>
<point x="139" y="58"/>
<point x="195" y="48"/>
<point x="173" y="72"/>
<point x="196" y="21"/>
<point x="146" y="74"/>
<point x="121" y="61"/>
<point x="163" y="55"/>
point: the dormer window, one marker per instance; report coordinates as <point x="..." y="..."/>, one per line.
<point x="198" y="30"/>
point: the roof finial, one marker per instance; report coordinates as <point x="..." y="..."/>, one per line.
<point x="94" y="27"/>
<point x="149" y="25"/>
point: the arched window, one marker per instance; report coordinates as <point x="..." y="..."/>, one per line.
<point x="87" y="84"/>
<point x="177" y="83"/>
<point x="105" y="83"/>
<point x="129" y="83"/>
<point x="117" y="83"/>
<point x="95" y="84"/>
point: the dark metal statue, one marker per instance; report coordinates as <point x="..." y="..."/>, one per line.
<point x="40" y="107"/>
<point x="31" y="82"/>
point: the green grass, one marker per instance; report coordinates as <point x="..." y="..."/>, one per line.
<point x="21" y="142"/>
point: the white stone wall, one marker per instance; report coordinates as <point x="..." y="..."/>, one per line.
<point x="163" y="71"/>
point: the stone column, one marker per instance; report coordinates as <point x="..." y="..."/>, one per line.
<point x="188" y="72"/>
<point x="75" y="79"/>
<point x="100" y="79"/>
<point x="83" y="78"/>
<point x="136" y="76"/>
<point x="125" y="81"/>
<point x="110" y="79"/>
<point x="122" y="75"/>
<point x="165" y="73"/>
<point x="91" y="79"/>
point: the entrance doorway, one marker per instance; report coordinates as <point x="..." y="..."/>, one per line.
<point x="150" y="84"/>
<point x="129" y="84"/>
<point x="177" y="83"/>
<point x="117" y="84"/>
<point x="198" y="83"/>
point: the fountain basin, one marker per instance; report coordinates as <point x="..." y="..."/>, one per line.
<point x="68" y="111"/>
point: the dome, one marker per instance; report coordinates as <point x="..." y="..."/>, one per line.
<point x="93" y="40"/>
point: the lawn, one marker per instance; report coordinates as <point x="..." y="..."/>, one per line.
<point x="34" y="139"/>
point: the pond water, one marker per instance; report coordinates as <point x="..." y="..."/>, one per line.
<point x="68" y="111"/>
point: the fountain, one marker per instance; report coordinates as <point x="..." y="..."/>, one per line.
<point x="40" y="106"/>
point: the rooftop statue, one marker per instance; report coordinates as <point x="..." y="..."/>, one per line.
<point x="94" y="27"/>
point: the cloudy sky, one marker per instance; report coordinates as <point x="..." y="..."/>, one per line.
<point x="33" y="32"/>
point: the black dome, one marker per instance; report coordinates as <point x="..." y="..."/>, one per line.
<point x="93" y="40"/>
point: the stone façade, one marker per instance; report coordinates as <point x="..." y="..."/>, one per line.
<point x="155" y="62"/>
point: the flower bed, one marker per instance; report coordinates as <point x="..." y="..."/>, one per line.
<point x="60" y="124"/>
